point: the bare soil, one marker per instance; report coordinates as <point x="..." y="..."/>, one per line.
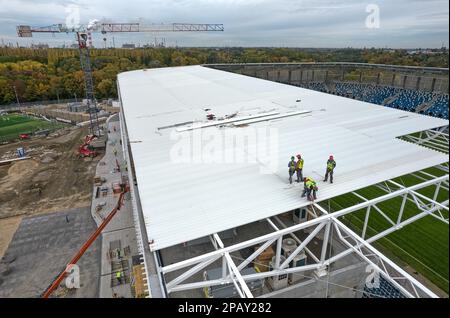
<point x="8" y="227"/>
<point x="54" y="179"/>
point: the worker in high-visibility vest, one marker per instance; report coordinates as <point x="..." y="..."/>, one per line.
<point x="119" y="277"/>
<point x="299" y="168"/>
<point x="331" y="164"/>
<point x="310" y="189"/>
<point x="292" y="167"/>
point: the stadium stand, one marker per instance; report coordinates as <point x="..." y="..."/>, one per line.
<point x="350" y="90"/>
<point x="317" y="86"/>
<point x="404" y="99"/>
<point x="385" y="290"/>
<point x="439" y="107"/>
<point x="378" y="94"/>
<point x="409" y="100"/>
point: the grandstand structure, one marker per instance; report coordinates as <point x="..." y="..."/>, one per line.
<point x="417" y="89"/>
<point x="205" y="226"/>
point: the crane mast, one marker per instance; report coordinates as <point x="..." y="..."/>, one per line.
<point x="83" y="37"/>
<point x="86" y="67"/>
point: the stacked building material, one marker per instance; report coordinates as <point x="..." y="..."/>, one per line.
<point x="263" y="259"/>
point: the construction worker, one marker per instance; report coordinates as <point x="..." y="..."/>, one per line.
<point x="310" y="189"/>
<point x="292" y="167"/>
<point x="299" y="168"/>
<point x="331" y="164"/>
<point x="119" y="277"/>
<point x="115" y="152"/>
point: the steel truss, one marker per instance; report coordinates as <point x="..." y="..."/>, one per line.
<point x="322" y="221"/>
<point x="436" y="139"/>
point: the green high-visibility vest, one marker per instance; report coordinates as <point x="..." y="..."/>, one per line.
<point x="118" y="274"/>
<point x="330" y="165"/>
<point x="292" y="165"/>
<point x="300" y="164"/>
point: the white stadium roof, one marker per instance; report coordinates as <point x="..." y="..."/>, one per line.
<point x="185" y="201"/>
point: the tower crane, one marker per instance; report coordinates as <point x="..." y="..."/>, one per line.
<point x="83" y="37"/>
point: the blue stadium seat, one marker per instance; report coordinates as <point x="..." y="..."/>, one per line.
<point x="384" y="290"/>
<point x="405" y="99"/>
<point x="439" y="108"/>
<point x="409" y="99"/>
<point x="316" y="86"/>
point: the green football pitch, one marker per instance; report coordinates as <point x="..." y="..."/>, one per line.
<point x="422" y="245"/>
<point x="12" y="125"/>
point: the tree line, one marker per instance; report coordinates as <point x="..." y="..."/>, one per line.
<point x="54" y="73"/>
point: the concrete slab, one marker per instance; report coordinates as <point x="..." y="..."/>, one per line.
<point x="43" y="245"/>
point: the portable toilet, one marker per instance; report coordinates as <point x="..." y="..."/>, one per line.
<point x="20" y="152"/>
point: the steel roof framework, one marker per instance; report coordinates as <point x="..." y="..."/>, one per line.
<point x="324" y="220"/>
<point x="408" y="285"/>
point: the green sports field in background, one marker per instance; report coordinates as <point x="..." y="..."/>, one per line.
<point x="12" y="125"/>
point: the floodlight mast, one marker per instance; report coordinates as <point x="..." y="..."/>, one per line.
<point x="83" y="36"/>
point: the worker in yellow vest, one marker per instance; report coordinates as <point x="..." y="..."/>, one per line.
<point x="292" y="167"/>
<point x="331" y="164"/>
<point x="119" y="277"/>
<point x="310" y="189"/>
<point x="299" y="168"/>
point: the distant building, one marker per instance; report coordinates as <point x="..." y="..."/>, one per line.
<point x="128" y="46"/>
<point x="76" y="107"/>
<point x="39" y="46"/>
<point x="421" y="51"/>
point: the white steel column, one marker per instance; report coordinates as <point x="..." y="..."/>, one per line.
<point x="278" y="252"/>
<point x="402" y="208"/>
<point x="307" y="250"/>
<point x="326" y="237"/>
<point x="234" y="271"/>
<point x="302" y="246"/>
<point x="366" y="222"/>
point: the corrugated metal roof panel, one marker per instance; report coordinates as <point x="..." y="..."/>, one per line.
<point x="185" y="201"/>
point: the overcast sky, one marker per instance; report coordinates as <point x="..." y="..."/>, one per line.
<point x="294" y="23"/>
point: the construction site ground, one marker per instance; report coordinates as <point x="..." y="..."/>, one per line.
<point x="53" y="180"/>
<point x="40" y="234"/>
<point x="42" y="246"/>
